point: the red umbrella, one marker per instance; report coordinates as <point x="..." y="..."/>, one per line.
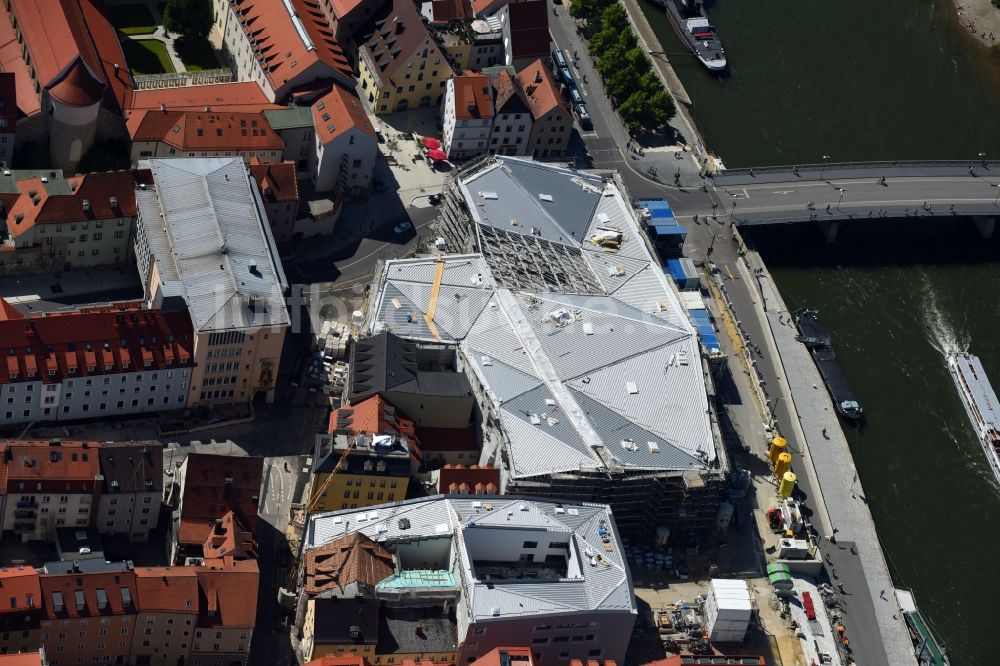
<point x="431" y="143"/>
<point x="437" y="155"/>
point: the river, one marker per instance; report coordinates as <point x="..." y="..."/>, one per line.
<point x="862" y="80"/>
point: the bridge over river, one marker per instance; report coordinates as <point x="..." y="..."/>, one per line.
<point x="832" y="193"/>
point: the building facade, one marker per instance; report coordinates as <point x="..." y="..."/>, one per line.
<point x="76" y="222"/>
<point x="467" y="116"/>
<point x="478" y="573"/>
<point x="21" y="612"/>
<point x="203" y="244"/>
<point x="49" y="485"/>
<point x="228" y="616"/>
<point x="279" y="44"/>
<point x="73" y="89"/>
<point x="511" y="134"/>
<point x="90" y="612"/>
<point x="131" y="489"/>
<point x="94" y="363"/>
<point x="208" y="487"/>
<point x="204" y="133"/>
<point x="551" y="119"/>
<point x="400" y="66"/>
<point x="166" y="614"/>
<point x="345" y="144"/>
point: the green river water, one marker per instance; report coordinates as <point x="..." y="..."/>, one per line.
<point x="861" y="80"/>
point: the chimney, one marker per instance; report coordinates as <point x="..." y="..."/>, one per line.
<point x="113" y="201"/>
<point x="420" y="631"/>
<point x="86" y="205"/>
<point x="163" y="107"/>
<point x="538" y="76"/>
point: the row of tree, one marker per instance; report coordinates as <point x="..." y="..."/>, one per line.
<point x="628" y="74"/>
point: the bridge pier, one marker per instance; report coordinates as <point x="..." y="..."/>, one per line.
<point x="985" y="224"/>
<point x="829" y="230"/>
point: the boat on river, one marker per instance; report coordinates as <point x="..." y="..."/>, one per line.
<point x="693" y="27"/>
<point x="928" y="649"/>
<point x="980" y="403"/>
<point x="817" y="341"/>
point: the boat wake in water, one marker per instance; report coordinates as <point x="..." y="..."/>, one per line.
<point x="940" y="330"/>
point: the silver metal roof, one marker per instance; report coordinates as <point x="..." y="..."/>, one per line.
<point x="610" y="378"/>
<point x="597" y="575"/>
<point x="210" y="239"/>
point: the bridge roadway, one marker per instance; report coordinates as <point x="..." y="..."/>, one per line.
<point x="838" y="192"/>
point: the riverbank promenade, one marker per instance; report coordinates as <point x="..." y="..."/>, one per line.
<point x="850" y="545"/>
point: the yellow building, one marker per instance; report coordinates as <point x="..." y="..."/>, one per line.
<point x="378" y="467"/>
<point x="400" y="65"/>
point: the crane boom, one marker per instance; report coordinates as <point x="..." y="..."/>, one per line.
<point x="336" y="468"/>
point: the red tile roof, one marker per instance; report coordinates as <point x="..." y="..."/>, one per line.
<point x="508" y="98"/>
<point x="350" y="559"/>
<point x="66" y="585"/>
<point x="472" y="96"/>
<point x="8" y="311"/>
<point x="201" y="130"/>
<point x="78" y="86"/>
<point x="529" y="29"/>
<point x="483" y="8"/>
<point x="166" y="589"/>
<point x="541" y="89"/>
<point x="284" y="53"/>
<point x="227" y="593"/>
<point x="451" y="10"/>
<point x="22" y="659"/>
<point x="19" y="589"/>
<point x="97" y="189"/>
<point x="277" y="182"/>
<point x="208" y="495"/>
<point x="374" y="416"/>
<point x="519" y="656"/>
<point x="475" y="479"/>
<point x="52" y="462"/>
<point x="12" y="61"/>
<point x="91" y="341"/>
<point x="396" y="35"/>
<point x="74" y="50"/>
<point x="229" y="538"/>
<point x="236" y="96"/>
<point x="337" y="112"/>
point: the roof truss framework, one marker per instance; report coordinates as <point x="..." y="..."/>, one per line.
<point x="526" y="262"/>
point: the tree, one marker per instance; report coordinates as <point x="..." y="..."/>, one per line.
<point x="191" y="19"/>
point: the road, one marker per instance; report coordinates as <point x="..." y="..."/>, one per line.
<point x="283" y="482"/>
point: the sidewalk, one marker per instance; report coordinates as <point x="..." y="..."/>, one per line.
<point x="873" y="620"/>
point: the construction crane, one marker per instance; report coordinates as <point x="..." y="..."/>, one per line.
<point x="336" y="468"/>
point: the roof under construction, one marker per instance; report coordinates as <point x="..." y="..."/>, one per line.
<point x="578" y="340"/>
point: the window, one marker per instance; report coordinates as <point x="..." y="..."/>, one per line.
<point x="530" y="544"/>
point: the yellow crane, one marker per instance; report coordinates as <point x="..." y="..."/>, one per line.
<point x="329" y="477"/>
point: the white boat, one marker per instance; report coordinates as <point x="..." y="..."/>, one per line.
<point x="980" y="402"/>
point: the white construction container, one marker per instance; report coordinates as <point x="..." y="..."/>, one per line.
<point x="728" y="610"/>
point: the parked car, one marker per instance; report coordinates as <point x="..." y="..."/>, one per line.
<point x="560" y="59"/>
<point x="402" y="227"/>
<point x="575" y="96"/>
<point x="584" y="117"/>
<point x="567" y="77"/>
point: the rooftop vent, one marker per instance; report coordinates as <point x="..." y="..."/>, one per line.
<point x="631" y="388"/>
<point x="404" y="523"/>
<point x="653" y="447"/>
<point x="489" y="195"/>
<point x="113" y="201"/>
<point x="86" y="205"/>
<point x="545" y="197"/>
